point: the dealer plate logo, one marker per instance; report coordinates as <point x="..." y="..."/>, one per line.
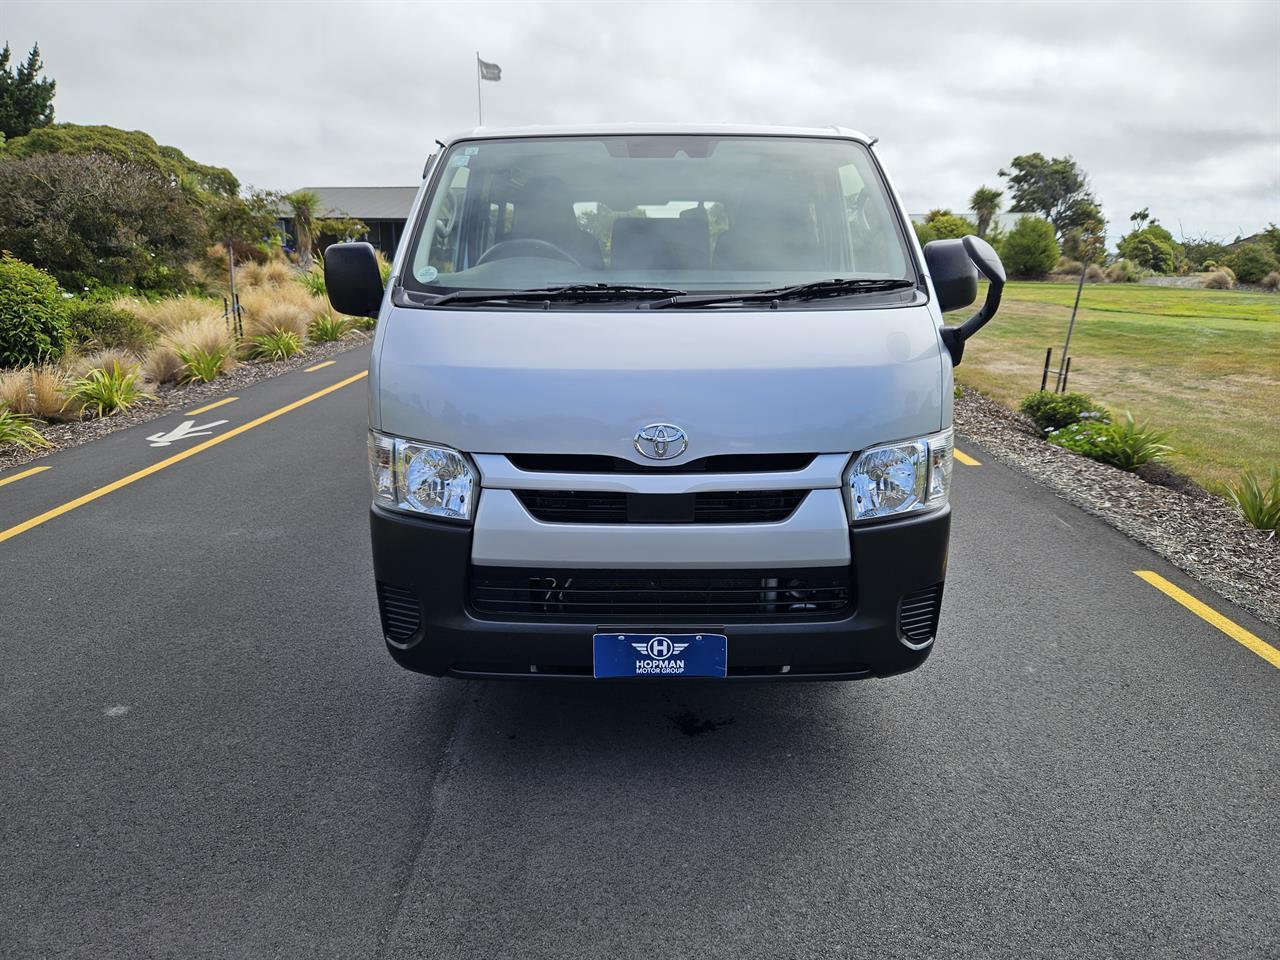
<point x="660" y="648"/>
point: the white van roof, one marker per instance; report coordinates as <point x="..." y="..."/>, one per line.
<point x="658" y="129"/>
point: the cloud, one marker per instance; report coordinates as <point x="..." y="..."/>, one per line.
<point x="1168" y="105"/>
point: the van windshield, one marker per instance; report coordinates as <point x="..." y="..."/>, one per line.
<point x="697" y="213"/>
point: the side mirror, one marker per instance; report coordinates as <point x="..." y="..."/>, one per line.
<point x="952" y="266"/>
<point x="352" y="280"/>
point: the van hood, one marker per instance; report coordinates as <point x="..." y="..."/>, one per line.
<point x="586" y="382"/>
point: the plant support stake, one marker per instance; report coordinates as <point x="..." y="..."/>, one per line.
<point x="1062" y="378"/>
<point x="1044" y="377"/>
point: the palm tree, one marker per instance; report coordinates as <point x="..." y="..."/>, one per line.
<point x="304" y="204"/>
<point x="985" y="203"/>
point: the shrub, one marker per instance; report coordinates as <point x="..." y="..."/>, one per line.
<point x="131" y="146"/>
<point x="92" y="217"/>
<point x="1218" y="280"/>
<point x="1052" y="411"/>
<point x="1065" y="265"/>
<point x="941" y="225"/>
<point x="328" y="327"/>
<point x="1271" y="281"/>
<point x="1094" y="274"/>
<point x="1203" y="254"/>
<point x="18" y="429"/>
<point x="105" y="325"/>
<point x="33" y="316"/>
<point x="313" y="281"/>
<point x="1152" y="248"/>
<point x="1257" y="501"/>
<point x="1123" y="271"/>
<point x="1030" y="249"/>
<point x="1124" y="444"/>
<point x="1252" y="261"/>
<point x="276" y="345"/>
<point x="103" y="392"/>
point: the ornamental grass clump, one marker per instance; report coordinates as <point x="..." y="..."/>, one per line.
<point x="162" y="363"/>
<point x="102" y="392"/>
<point x="1257" y="500"/>
<point x="273" y="273"/>
<point x="283" y="308"/>
<point x="313" y="281"/>
<point x="171" y="313"/>
<point x="276" y="345"/>
<point x="1124" y="444"/>
<point x="328" y="327"/>
<point x="18" y="429"/>
<point x="34" y="391"/>
<point x="206" y="349"/>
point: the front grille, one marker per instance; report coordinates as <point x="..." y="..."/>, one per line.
<point x="721" y="463"/>
<point x="727" y="506"/>
<point x="918" y="614"/>
<point x="612" y="596"/>
<point x="400" y="610"/>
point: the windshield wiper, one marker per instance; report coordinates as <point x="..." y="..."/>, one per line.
<point x="815" y="289"/>
<point x="569" y="291"/>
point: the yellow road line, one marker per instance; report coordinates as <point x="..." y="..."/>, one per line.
<point x="170" y="461"/>
<point x="320" y="366"/>
<point x="967" y="460"/>
<point x="210" y="406"/>
<point x="1232" y="629"/>
<point x="25" y="473"/>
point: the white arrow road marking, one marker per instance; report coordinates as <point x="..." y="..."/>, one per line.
<point x="187" y="429"/>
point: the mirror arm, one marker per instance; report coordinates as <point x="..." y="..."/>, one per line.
<point x="954" y="337"/>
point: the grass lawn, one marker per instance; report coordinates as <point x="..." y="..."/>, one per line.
<point x="1203" y="364"/>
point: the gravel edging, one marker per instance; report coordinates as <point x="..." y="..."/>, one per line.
<point x="1198" y="533"/>
<point x="169" y="398"/>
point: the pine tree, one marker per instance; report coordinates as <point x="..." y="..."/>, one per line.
<point x="26" y="98"/>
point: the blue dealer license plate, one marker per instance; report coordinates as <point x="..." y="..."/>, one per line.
<point x="661" y="654"/>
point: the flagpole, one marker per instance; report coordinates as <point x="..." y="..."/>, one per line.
<point x="479" y="101"/>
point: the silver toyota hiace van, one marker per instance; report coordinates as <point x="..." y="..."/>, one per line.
<point x="661" y="402"/>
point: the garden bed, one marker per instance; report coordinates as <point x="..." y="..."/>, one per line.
<point x="1195" y="531"/>
<point x="169" y="398"/>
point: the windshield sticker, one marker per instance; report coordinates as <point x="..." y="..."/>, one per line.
<point x="471" y="151"/>
<point x="427" y="274"/>
<point x="459" y="160"/>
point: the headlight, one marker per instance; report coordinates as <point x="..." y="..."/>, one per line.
<point x="899" y="478"/>
<point x="421" y="477"/>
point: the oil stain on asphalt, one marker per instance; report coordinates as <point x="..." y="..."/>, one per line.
<point x="691" y="725"/>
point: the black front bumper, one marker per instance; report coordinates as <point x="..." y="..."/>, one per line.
<point x="422" y="570"/>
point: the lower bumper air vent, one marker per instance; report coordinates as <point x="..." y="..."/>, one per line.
<point x="400" y="610"/>
<point x="650" y="596"/>
<point x="918" y="614"/>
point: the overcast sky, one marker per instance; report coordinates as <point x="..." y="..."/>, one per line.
<point x="1172" y="106"/>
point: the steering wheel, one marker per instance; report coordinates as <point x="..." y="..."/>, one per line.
<point x="525" y="247"/>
